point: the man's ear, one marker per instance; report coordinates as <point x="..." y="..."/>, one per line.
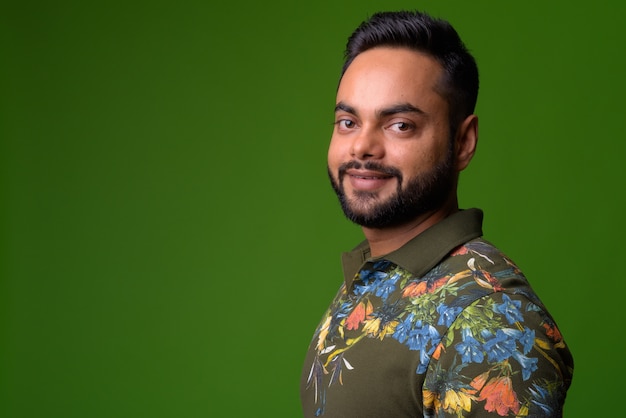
<point x="465" y="141"/>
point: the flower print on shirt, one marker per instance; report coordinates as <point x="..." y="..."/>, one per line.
<point x="468" y="332"/>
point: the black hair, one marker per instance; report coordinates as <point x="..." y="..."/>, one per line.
<point x="434" y="37"/>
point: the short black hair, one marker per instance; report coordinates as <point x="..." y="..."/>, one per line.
<point x="432" y="36"/>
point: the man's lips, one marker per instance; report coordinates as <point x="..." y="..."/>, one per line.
<point x="367" y="180"/>
<point x="367" y="174"/>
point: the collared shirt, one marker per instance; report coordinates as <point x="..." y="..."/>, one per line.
<point x="446" y="325"/>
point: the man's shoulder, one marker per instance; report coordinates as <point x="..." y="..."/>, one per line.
<point x="472" y="270"/>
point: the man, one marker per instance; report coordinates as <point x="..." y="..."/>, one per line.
<point x="432" y="319"/>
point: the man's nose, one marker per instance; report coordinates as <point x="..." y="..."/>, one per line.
<point x="367" y="144"/>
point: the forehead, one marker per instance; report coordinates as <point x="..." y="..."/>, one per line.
<point x="383" y="76"/>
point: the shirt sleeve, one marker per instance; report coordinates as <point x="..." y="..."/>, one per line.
<point x="502" y="356"/>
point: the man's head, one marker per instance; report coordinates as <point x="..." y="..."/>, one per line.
<point x="395" y="152"/>
<point x="434" y="37"/>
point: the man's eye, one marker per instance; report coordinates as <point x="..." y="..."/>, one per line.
<point x="346" y="124"/>
<point x="402" y="126"/>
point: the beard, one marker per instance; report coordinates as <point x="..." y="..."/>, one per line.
<point x="423" y="193"/>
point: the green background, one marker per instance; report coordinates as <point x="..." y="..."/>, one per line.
<point x="169" y="239"/>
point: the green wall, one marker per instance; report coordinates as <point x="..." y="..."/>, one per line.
<point x="168" y="237"/>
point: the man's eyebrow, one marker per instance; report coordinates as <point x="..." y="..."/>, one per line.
<point x="342" y="107"/>
<point x="400" y="108"/>
<point x="388" y="111"/>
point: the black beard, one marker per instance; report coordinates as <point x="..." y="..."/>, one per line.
<point x="422" y="194"/>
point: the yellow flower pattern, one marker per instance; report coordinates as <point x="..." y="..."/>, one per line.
<point x="476" y="335"/>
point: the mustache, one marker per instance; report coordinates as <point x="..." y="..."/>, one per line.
<point x="369" y="165"/>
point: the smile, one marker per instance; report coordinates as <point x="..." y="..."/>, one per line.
<point x="371" y="177"/>
<point x="367" y="174"/>
<point x="367" y="180"/>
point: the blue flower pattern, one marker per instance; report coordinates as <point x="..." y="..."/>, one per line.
<point x="444" y="310"/>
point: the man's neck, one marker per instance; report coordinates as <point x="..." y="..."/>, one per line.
<point x="385" y="240"/>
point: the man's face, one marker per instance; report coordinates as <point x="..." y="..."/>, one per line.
<point x="390" y="158"/>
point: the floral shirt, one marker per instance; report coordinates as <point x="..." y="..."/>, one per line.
<point x="445" y="326"/>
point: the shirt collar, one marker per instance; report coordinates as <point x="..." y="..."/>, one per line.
<point x="423" y="252"/>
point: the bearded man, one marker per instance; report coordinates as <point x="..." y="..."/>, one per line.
<point x="431" y="319"/>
